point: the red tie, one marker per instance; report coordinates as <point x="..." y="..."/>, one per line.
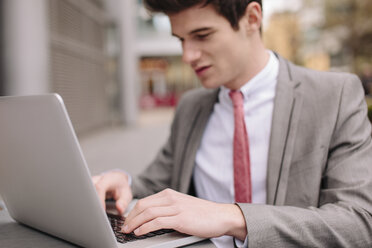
<point x="242" y="167"/>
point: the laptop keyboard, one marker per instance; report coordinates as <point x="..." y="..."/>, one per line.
<point x="117" y="222"/>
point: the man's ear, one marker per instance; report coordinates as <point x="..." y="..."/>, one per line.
<point x="252" y="19"/>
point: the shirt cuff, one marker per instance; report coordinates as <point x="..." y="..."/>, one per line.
<point x="240" y="244"/>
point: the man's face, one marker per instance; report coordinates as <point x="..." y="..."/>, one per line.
<point x="218" y="54"/>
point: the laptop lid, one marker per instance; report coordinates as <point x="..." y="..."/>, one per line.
<point x="44" y="180"/>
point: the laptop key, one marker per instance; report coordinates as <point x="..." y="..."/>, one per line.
<point x="117" y="222"/>
<point x="149" y="235"/>
<point x="121" y="240"/>
<point x="158" y="232"/>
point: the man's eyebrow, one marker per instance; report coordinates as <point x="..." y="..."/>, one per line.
<point x="195" y="31"/>
<point x="173" y="34"/>
<point x="200" y="30"/>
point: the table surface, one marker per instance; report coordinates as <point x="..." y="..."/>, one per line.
<point x="15" y="235"/>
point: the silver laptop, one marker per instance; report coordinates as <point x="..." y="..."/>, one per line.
<point x="45" y="182"/>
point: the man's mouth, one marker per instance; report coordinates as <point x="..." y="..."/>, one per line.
<point x="201" y="70"/>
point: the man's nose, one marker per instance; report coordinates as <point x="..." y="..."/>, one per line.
<point x="190" y="53"/>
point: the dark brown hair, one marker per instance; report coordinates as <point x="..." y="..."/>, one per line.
<point x="232" y="10"/>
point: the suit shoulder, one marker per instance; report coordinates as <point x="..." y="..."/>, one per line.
<point x="326" y="91"/>
<point x="193" y="97"/>
<point x="323" y="80"/>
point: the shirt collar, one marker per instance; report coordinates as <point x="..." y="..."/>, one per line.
<point x="259" y="83"/>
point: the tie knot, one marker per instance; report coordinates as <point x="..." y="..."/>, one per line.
<point x="236" y="97"/>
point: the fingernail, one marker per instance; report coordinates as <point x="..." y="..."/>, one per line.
<point x="136" y="231"/>
<point x="126" y="228"/>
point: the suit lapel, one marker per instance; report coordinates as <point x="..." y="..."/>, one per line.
<point x="198" y="124"/>
<point x="287" y="106"/>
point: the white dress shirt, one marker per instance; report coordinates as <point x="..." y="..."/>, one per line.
<point x="213" y="173"/>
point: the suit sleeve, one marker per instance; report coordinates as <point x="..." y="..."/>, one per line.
<point x="159" y="174"/>
<point x="343" y="217"/>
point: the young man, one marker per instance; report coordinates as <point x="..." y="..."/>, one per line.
<point x="278" y="155"/>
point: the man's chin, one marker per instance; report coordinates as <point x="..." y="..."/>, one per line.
<point x="210" y="85"/>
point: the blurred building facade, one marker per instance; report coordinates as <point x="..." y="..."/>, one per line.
<point x="66" y="46"/>
<point x="25" y="47"/>
<point x="163" y="75"/>
<point x="324" y="34"/>
<point x="283" y="34"/>
<point x="110" y="58"/>
<point x="77" y="60"/>
<point x="2" y="78"/>
<point x="298" y="35"/>
<point x="101" y="56"/>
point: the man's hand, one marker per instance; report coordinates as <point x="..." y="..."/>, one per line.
<point x="114" y="185"/>
<point x="172" y="210"/>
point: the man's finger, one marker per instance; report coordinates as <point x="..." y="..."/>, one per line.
<point x="148" y="215"/>
<point x="113" y="185"/>
<point x="146" y="203"/>
<point x="123" y="201"/>
<point x="102" y="187"/>
<point x="121" y="206"/>
<point x="96" y="178"/>
<point x="163" y="198"/>
<point x="168" y="222"/>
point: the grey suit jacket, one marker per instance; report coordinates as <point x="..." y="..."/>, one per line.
<point x="319" y="179"/>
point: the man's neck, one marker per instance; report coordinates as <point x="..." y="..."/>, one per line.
<point x="257" y="62"/>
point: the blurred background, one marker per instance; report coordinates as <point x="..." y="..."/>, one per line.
<point x="120" y="72"/>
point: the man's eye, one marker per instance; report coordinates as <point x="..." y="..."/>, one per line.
<point x="202" y="36"/>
